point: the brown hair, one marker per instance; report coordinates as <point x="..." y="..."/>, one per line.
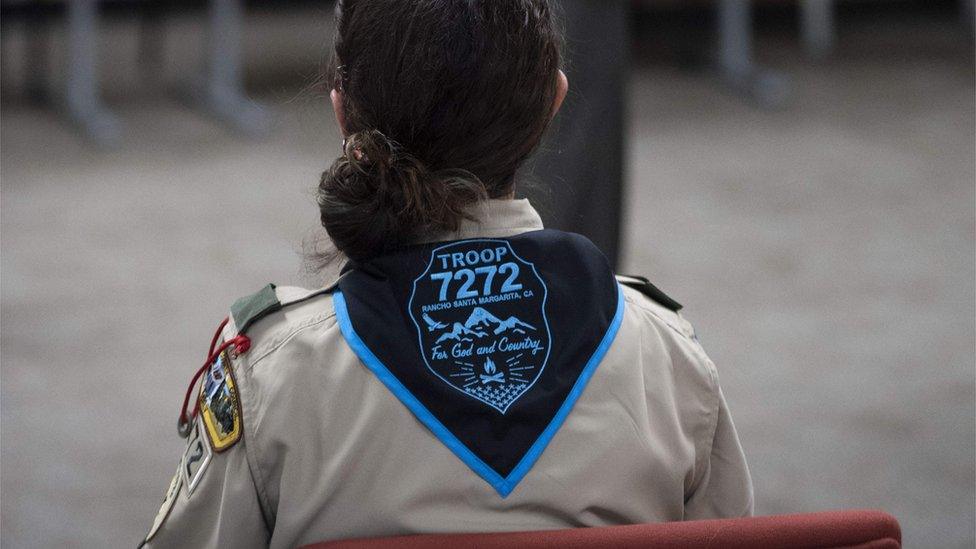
<point x="444" y="100"/>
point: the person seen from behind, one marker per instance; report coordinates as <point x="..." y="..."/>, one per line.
<point x="469" y="370"/>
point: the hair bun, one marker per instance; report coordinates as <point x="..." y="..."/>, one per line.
<point x="377" y="196"/>
<point x="369" y="148"/>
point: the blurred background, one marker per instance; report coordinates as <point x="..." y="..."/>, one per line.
<point x="800" y="175"/>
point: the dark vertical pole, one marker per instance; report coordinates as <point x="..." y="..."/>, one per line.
<point x="152" y="18"/>
<point x="577" y="178"/>
<point x="818" y="27"/>
<point x="37" y="57"/>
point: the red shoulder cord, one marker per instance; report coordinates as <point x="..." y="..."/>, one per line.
<point x="241" y="344"/>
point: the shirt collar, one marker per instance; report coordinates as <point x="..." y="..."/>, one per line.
<point x="494" y="218"/>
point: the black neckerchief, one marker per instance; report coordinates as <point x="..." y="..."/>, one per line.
<point x="488" y="341"/>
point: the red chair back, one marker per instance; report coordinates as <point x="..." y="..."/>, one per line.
<point x="856" y="529"/>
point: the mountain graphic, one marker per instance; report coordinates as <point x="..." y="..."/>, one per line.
<point x="459" y="332"/>
<point x="513" y="324"/>
<point x="480" y="318"/>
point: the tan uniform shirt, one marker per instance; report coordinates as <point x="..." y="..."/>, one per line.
<point x="328" y="452"/>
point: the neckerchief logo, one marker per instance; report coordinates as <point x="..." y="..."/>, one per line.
<point x="480" y="315"/>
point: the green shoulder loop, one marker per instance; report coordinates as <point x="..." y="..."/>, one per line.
<point x="248" y="310"/>
<point x="645" y="287"/>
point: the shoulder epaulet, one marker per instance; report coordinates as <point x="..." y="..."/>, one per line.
<point x="248" y="310"/>
<point x="645" y="287"/>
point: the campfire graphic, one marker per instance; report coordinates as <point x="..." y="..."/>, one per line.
<point x="492" y="374"/>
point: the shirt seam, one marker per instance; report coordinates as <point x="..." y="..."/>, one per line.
<point x="251" y="450"/>
<point x="703" y="449"/>
<point x="278" y="340"/>
<point x="704" y="458"/>
<point x="251" y="443"/>
<point x="653" y="313"/>
<point x="257" y="479"/>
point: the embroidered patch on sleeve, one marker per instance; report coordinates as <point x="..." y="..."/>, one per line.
<point x="167" y="506"/>
<point x="195" y="460"/>
<point x="220" y="406"/>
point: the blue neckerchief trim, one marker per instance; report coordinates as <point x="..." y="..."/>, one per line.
<point x="502" y="485"/>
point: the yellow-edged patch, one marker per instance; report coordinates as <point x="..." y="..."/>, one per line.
<point x="220" y="405"/>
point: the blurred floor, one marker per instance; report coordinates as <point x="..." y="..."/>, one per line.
<point x="824" y="252"/>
